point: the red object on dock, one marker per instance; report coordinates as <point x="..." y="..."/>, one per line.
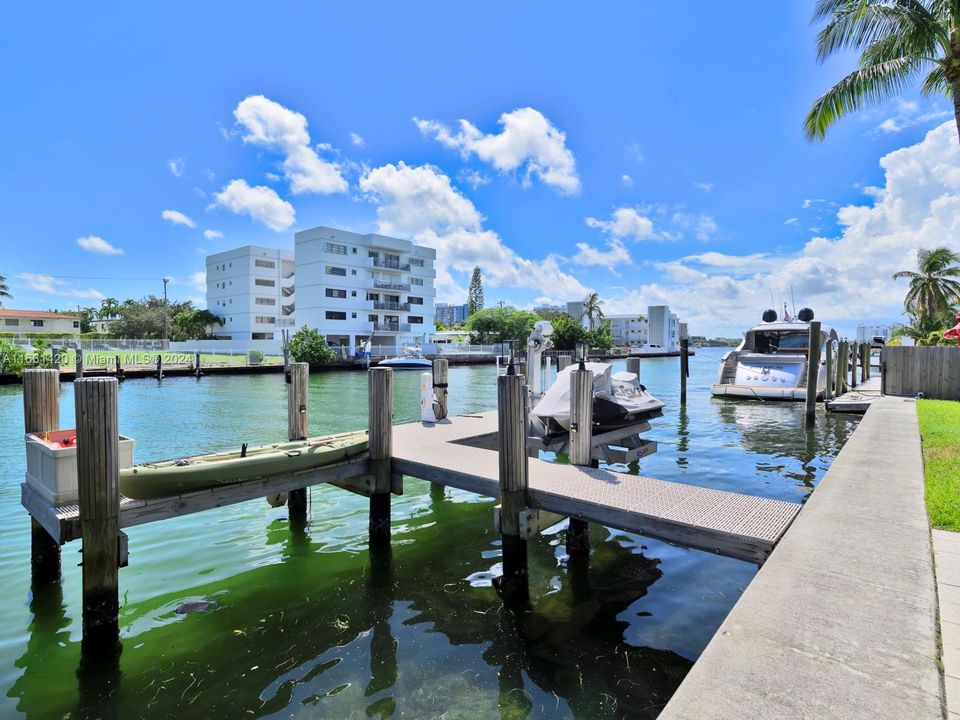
<point x="954" y="332"/>
<point x="59" y="439"/>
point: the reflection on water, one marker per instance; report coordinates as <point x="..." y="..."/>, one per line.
<point x="308" y="624"/>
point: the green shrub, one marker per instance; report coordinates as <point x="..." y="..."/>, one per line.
<point x="254" y="357"/>
<point x="309" y="346"/>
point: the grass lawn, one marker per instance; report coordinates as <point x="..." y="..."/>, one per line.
<point x="940" y="430"/>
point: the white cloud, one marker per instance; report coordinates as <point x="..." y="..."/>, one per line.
<point x="212" y="234"/>
<point x="845" y="279"/>
<point x="528" y="140"/>
<point x="626" y="222"/>
<point x="705" y="186"/>
<point x="613" y="258"/>
<point x="259" y="202"/>
<point x="421" y="203"/>
<point x="94" y="244"/>
<point x="175" y="166"/>
<point x="702" y="226"/>
<point x="199" y="280"/>
<point x="357" y="139"/>
<point x="790" y="221"/>
<point x="177" y="218"/>
<point x="52" y="286"/>
<point x="269" y="124"/>
<point x="635" y="152"/>
<point x="906" y="116"/>
<point x="626" y="180"/>
<point x="473" y="178"/>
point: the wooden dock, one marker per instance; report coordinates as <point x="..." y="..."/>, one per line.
<point x="856" y="400"/>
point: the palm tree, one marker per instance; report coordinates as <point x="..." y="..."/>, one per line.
<point x="591" y="309"/>
<point x="898" y="40"/>
<point x="4" y="290"/>
<point x="108" y="308"/>
<point x="934" y="289"/>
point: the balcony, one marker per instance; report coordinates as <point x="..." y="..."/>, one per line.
<point x="390" y="327"/>
<point x="396" y="287"/>
<point x="390" y="264"/>
<point x="285" y="322"/>
<point x="404" y="307"/>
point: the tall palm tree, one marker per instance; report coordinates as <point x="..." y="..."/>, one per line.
<point x="4" y="290"/>
<point x="934" y="289"/>
<point x="591" y="309"/>
<point x="108" y="308"/>
<point x="898" y="40"/>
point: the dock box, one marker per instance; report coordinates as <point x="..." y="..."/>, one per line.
<point x="52" y="464"/>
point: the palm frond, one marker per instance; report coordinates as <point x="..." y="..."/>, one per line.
<point x="905" y="274"/>
<point x="936" y="82"/>
<point x="867" y="85"/>
<point x="859" y="25"/>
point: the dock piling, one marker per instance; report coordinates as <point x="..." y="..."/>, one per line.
<point x="828" y="390"/>
<point x="513" y="475"/>
<point x="159" y="367"/>
<point x="197" y="371"/>
<point x="41" y="413"/>
<point x="633" y="366"/>
<point x="864" y="362"/>
<point x="440" y="387"/>
<point x="78" y="372"/>
<point x="55" y="357"/>
<point x="98" y="480"/>
<point x="843" y="359"/>
<point x="813" y="371"/>
<point x="297" y="391"/>
<point x="581" y="448"/>
<point x="563" y="362"/>
<point x="854" y="356"/>
<point x="380" y="450"/>
<point x="684" y="368"/>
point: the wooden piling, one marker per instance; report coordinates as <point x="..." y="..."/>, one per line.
<point x="78" y="373"/>
<point x="684" y="368"/>
<point x="813" y="370"/>
<point x="843" y="359"/>
<point x="118" y="368"/>
<point x="41" y="413"/>
<point x="197" y="371"/>
<point x="98" y="480"/>
<point x="854" y="354"/>
<point x="828" y="390"/>
<point x="513" y="476"/>
<point x="521" y="365"/>
<point x="159" y="367"/>
<point x="581" y="447"/>
<point x="297" y="396"/>
<point x="633" y="366"/>
<point x="440" y="387"/>
<point x="380" y="429"/>
<point x="563" y="362"/>
<point x="55" y="357"/>
<point x="864" y="362"/>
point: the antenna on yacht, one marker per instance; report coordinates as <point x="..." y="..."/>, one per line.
<point x="793" y="301"/>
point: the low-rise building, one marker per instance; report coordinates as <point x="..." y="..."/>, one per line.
<point x="628" y="330"/>
<point x="867" y="333"/>
<point x="25" y="322"/>
<point x="663" y="331"/>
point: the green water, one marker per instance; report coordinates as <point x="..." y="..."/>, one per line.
<point x="308" y="625"/>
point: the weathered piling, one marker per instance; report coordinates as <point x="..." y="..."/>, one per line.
<point x="118" y="368"/>
<point x="813" y="371"/>
<point x="197" y="371"/>
<point x="159" y="373"/>
<point x="440" y="387"/>
<point x="513" y="476"/>
<point x="563" y="362"/>
<point x="854" y="355"/>
<point x="297" y="391"/>
<point x="633" y="366"/>
<point x="41" y="413"/>
<point x="828" y="390"/>
<point x="684" y="368"/>
<point x="581" y="447"/>
<point x="521" y="366"/>
<point x="843" y="359"/>
<point x="55" y="357"/>
<point x="380" y="429"/>
<point x="864" y="361"/>
<point x="78" y="372"/>
<point x="98" y="480"/>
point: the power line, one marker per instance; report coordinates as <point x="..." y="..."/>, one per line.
<point x="84" y="277"/>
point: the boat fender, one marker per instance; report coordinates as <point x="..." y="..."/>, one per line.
<point x="278" y="500"/>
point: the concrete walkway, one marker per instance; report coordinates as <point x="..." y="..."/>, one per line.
<point x="946" y="551"/>
<point x="841" y="620"/>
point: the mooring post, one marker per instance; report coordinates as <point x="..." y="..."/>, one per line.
<point x="828" y="391"/>
<point x="513" y="469"/>
<point x="813" y="370"/>
<point x="521" y="365"/>
<point x="563" y="362"/>
<point x="843" y="358"/>
<point x="633" y="366"/>
<point x="55" y="357"/>
<point x="380" y="450"/>
<point x="581" y="447"/>
<point x="78" y="367"/>
<point x="159" y="367"/>
<point x="440" y="387"/>
<point x="41" y="413"/>
<point x="684" y="368"/>
<point x="864" y="362"/>
<point x="297" y="430"/>
<point x="98" y="481"/>
<point x="197" y="372"/>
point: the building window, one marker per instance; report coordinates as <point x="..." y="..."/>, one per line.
<point x="415" y="320"/>
<point x="353" y="272"/>
<point x="334" y="315"/>
<point x="416" y="262"/>
<point x="262" y="263"/>
<point x="76" y="324"/>
<point x="265" y="301"/>
<point x="414" y="300"/>
<point x="331" y="270"/>
<point x="37" y="323"/>
<point x="265" y="283"/>
<point x="8" y="321"/>
<point x="336" y="249"/>
<point x="353" y="293"/>
<point x="353" y="315"/>
<point x="416" y="281"/>
<point x="266" y="319"/>
<point x="373" y="296"/>
<point x="335" y="293"/>
<point x="354" y="250"/>
<point x="373" y="254"/>
<point x="373" y="318"/>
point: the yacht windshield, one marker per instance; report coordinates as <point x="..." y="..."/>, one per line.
<point x="773" y="341"/>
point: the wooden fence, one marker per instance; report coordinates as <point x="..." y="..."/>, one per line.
<point x="933" y="371"/>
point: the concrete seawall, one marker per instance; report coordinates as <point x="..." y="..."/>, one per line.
<point x="841" y="621"/>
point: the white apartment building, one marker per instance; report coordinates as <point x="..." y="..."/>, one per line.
<point x="663" y="328"/>
<point x="354" y="288"/>
<point x="628" y="330"/>
<point x="866" y="333"/>
<point x="252" y="289"/>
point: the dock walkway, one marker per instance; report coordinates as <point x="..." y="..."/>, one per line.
<point x="858" y="399"/>
<point x="841" y="621"/>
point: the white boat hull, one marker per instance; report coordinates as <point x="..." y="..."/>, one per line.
<point x="760" y="393"/>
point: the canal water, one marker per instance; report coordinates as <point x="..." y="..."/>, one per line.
<point x="308" y="626"/>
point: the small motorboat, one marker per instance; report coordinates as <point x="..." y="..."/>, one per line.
<point x="189" y="474"/>
<point x="771" y="361"/>
<point x="619" y="400"/>
<point x="409" y="359"/>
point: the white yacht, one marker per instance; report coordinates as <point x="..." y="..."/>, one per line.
<point x="771" y="362"/>
<point x="408" y="359"/>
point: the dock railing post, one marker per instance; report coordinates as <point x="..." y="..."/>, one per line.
<point x="98" y="481"/>
<point x="633" y="366"/>
<point x="684" y="368"/>
<point x="440" y="387"/>
<point x="581" y="447"/>
<point x="813" y="370"/>
<point x="828" y="391"/>
<point x="380" y="450"/>
<point x="513" y="475"/>
<point x="297" y="391"/>
<point x="41" y="413"/>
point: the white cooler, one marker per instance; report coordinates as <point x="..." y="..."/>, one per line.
<point x="52" y="464"/>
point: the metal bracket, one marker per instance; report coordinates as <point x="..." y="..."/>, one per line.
<point x="532" y="520"/>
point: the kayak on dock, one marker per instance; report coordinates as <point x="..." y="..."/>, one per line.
<point x="183" y="475"/>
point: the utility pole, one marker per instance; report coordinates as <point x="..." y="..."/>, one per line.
<point x="166" y="309"/>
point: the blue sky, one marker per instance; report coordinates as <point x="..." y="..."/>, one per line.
<point x="650" y="152"/>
